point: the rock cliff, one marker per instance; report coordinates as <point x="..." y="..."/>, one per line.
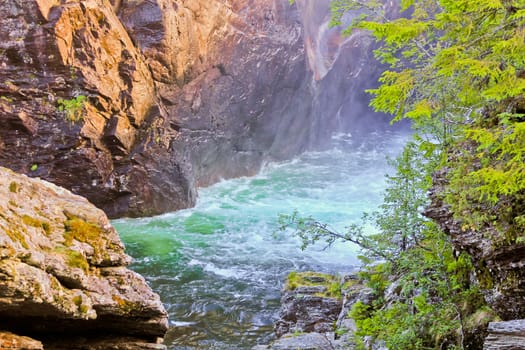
<point x="134" y="104"/>
<point x="497" y="257"/>
<point x="315" y="312"/>
<point x="63" y="271"/>
<point x="80" y="107"/>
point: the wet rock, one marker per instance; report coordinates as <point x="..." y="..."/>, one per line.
<point x="307" y="341"/>
<point x="307" y="313"/>
<point x="63" y="268"/>
<point x="508" y="335"/>
<point x="342" y="68"/>
<point x="308" y="308"/>
<point x="312" y="317"/>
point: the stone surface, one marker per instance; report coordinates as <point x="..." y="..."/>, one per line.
<point x="509" y="335"/>
<point x="178" y="94"/>
<point x="63" y="268"/>
<point x="79" y="107"/>
<point x="342" y="68"/>
<point x="302" y="310"/>
<point x="309" y="319"/>
<point x="12" y="341"/>
<point x="103" y="343"/>
<point x="306" y="341"/>
<point x="498" y="263"/>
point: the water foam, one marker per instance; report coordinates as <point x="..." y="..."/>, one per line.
<point x="219" y="267"/>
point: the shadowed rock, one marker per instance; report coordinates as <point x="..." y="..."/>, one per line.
<point x="498" y="264"/>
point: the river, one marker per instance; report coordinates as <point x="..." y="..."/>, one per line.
<point x="219" y="267"/>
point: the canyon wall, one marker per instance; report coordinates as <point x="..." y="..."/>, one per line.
<point x="135" y="104"/>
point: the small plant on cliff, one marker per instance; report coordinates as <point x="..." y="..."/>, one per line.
<point x="73" y="108"/>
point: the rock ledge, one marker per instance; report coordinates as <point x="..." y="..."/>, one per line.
<point x="63" y="269"/>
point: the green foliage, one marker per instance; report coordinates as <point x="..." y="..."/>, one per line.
<point x="309" y="278"/>
<point x="399" y="219"/>
<point x="457" y="70"/>
<point x="434" y="295"/>
<point x="73" y="108"/>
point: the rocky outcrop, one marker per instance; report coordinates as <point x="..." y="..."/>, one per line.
<point x="305" y="341"/>
<point x="134" y="104"/>
<point x="63" y="270"/>
<point x="307" y="309"/>
<point x="79" y="108"/>
<point x="242" y="101"/>
<point x="509" y="335"/>
<point x="497" y="257"/>
<point x="314" y="312"/>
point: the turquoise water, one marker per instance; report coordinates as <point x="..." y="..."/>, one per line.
<point x="219" y="267"/>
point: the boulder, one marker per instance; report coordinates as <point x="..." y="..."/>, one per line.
<point x="308" y="306"/>
<point x="305" y="341"/>
<point x="314" y="312"/>
<point x="63" y="268"/>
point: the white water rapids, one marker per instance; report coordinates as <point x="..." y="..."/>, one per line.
<point x="219" y="267"/>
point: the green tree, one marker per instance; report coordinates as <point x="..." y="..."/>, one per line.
<point x="457" y="70"/>
<point x="434" y="298"/>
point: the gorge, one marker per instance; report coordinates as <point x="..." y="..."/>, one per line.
<point x="134" y="105"/>
<point x="195" y="123"/>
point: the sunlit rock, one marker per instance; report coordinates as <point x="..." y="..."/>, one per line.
<point x="63" y="268"/>
<point x="135" y="104"/>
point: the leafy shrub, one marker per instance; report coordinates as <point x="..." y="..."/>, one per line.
<point x="73" y="108"/>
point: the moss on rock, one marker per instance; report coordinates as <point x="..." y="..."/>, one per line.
<point x="82" y="231"/>
<point x="17" y="236"/>
<point x="332" y="284"/>
<point x="73" y="258"/>
<point x="13" y="187"/>
<point x="31" y="221"/>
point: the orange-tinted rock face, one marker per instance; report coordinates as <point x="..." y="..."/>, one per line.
<point x="135" y="103"/>
<point x="80" y="108"/>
